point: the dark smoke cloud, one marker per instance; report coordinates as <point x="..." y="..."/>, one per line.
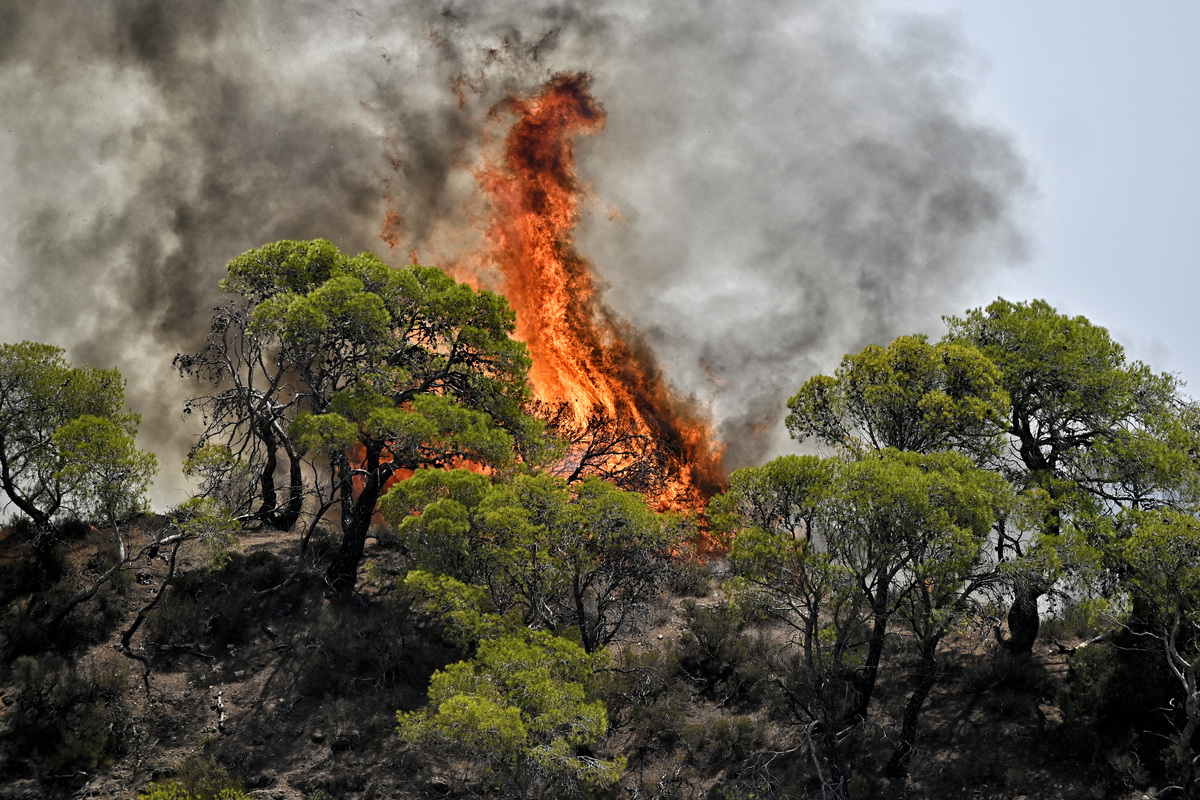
<point x="793" y="179"/>
<point x="798" y="180"/>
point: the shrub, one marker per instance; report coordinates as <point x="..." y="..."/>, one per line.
<point x="71" y="717"/>
<point x="689" y="578"/>
<point x="1116" y="710"/>
<point x="723" y="741"/>
<point x="348" y="649"/>
<point x="717" y="651"/>
<point x="207" y="616"/>
<point x="261" y="569"/>
<point x="198" y="779"/>
<point x="523" y="712"/>
<point x="210" y="607"/>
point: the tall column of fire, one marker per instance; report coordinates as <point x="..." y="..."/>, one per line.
<point x="583" y="354"/>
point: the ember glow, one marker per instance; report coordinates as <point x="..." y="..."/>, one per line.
<point x="583" y="354"/>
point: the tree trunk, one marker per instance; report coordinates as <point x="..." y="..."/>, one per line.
<point x="44" y="531"/>
<point x="587" y="634"/>
<point x="266" y="483"/>
<point x="342" y="573"/>
<point x="1023" y="619"/>
<point x="284" y="519"/>
<point x="295" y="491"/>
<point x="864" y="679"/>
<point x="897" y="766"/>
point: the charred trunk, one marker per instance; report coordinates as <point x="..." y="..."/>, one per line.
<point x="1023" y="619"/>
<point x="342" y="573"/>
<point x="284" y="519"/>
<point x="863" y="680"/>
<point x="266" y="483"/>
<point x="897" y="767"/>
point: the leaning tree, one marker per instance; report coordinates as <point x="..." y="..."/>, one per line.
<point x="67" y="443"/>
<point x="368" y="369"/>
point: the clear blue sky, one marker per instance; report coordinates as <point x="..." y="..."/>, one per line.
<point x="1103" y="99"/>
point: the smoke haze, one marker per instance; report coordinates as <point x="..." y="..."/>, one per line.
<point x="779" y="182"/>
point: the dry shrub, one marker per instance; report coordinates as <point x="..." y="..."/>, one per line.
<point x="724" y="741"/>
<point x="71" y="716"/>
<point x="720" y="653"/>
<point x="349" y="650"/>
<point x="24" y="623"/>
<point x="212" y="608"/>
<point x="689" y="577"/>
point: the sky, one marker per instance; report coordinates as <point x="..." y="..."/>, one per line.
<point x="1103" y="101"/>
<point x="779" y="182"/>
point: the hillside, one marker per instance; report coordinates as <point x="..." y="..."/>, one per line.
<point x="294" y="695"/>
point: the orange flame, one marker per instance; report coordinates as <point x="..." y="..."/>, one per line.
<point x="583" y="353"/>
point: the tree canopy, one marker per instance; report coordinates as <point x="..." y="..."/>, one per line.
<point x="839" y="550"/>
<point x="910" y="395"/>
<point x="1091" y="432"/>
<point x="66" y="440"/>
<point x="523" y="708"/>
<point x="588" y="557"/>
<point x="370" y="368"/>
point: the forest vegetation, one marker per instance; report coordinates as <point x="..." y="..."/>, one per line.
<point x="399" y="575"/>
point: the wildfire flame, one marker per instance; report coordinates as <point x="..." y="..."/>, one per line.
<point x="583" y="354"/>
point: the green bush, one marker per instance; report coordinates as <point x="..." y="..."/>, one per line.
<point x="198" y="779"/>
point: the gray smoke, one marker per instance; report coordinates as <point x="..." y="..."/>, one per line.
<point x="793" y="179"/>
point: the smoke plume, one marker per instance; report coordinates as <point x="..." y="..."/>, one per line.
<point x="778" y="183"/>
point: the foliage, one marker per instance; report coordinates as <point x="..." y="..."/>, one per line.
<point x="372" y="369"/>
<point x="718" y="651"/>
<point x="910" y="395"/>
<point x="724" y="741"/>
<point x="463" y="609"/>
<point x="1113" y="709"/>
<point x="1090" y="432"/>
<point x="836" y="550"/>
<point x="174" y="790"/>
<point x="105" y="474"/>
<point x="71" y="717"/>
<point x="198" y="779"/>
<point x="1162" y="556"/>
<point x="521" y="709"/>
<point x="588" y="557"/>
<point x="203" y="520"/>
<point x="221" y="476"/>
<point x="350" y="651"/>
<point x="66" y="441"/>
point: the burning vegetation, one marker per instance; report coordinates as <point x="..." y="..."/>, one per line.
<point x="595" y="381"/>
